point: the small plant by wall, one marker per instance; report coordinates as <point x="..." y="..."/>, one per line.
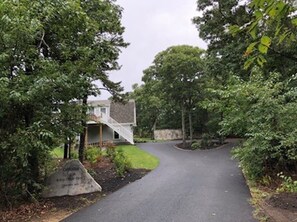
<point x="288" y="184"/>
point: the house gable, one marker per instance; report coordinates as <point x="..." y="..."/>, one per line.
<point x="123" y="113"/>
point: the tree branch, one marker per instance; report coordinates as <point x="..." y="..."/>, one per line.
<point x="292" y="57"/>
<point x="43" y="41"/>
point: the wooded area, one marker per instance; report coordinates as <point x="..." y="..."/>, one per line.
<point x="243" y="85"/>
<point x="50" y="54"/>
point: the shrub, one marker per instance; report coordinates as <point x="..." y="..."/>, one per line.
<point x="196" y="145"/>
<point x="121" y="162"/>
<point x="141" y="140"/>
<point x="263" y="110"/>
<point x="110" y="149"/>
<point x="206" y="141"/>
<point x="288" y="184"/>
<point x="93" y="154"/>
<point x="74" y="155"/>
<point x="251" y="160"/>
<point x="22" y="167"/>
<point x="51" y="166"/>
<point x="118" y="158"/>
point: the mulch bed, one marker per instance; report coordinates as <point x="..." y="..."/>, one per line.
<point x="286" y="201"/>
<point x="106" y="176"/>
<point x="103" y="172"/>
<point x="188" y="146"/>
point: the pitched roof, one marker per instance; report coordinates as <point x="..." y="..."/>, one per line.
<point x="99" y="102"/>
<point x="123" y="113"/>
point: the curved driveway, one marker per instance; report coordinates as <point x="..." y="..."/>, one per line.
<point x="188" y="186"/>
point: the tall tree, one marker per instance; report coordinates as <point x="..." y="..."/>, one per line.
<point x="149" y="108"/>
<point x="236" y="29"/>
<point x="178" y="69"/>
<point x="90" y="46"/>
<point x="225" y="51"/>
<point x="50" y="53"/>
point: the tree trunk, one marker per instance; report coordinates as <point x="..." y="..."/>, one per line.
<point x="191" y="127"/>
<point x="221" y="137"/>
<point x="153" y="129"/>
<point x="32" y="158"/>
<point x="70" y="147"/>
<point x="33" y="164"/>
<point x="66" y="150"/>
<point x="183" y="126"/>
<point x="84" y="132"/>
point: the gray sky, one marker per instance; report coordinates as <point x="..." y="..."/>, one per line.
<point x="151" y="27"/>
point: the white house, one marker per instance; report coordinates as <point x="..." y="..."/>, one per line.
<point x="110" y="121"/>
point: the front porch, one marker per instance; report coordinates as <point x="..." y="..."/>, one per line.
<point x="100" y="134"/>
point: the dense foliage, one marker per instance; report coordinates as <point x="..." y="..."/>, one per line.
<point x="262" y="111"/>
<point x="149" y="107"/>
<point x="50" y="53"/>
<point x="258" y="104"/>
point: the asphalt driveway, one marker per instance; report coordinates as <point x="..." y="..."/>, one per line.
<point x="188" y="186"/>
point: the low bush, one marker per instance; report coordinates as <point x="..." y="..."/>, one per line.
<point x="141" y="140"/>
<point x="117" y="156"/>
<point x="206" y="141"/>
<point x="110" y="149"/>
<point x="93" y="154"/>
<point x="251" y="160"/>
<point x="288" y="184"/>
<point x="196" y="145"/>
<point x="74" y="155"/>
<point x="121" y="162"/>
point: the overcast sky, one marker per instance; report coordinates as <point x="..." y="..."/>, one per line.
<point x="151" y="27"/>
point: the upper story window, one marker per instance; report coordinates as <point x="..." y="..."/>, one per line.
<point x="98" y="111"/>
<point x="91" y="110"/>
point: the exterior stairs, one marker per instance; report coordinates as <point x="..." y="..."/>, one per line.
<point x="113" y="124"/>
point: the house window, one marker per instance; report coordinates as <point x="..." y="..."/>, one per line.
<point x="116" y="135"/>
<point x="91" y="110"/>
<point x="103" y="110"/>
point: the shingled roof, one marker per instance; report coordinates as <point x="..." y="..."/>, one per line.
<point x="123" y="113"/>
<point x="99" y="102"/>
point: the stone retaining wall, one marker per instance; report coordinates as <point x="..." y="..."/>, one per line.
<point x="168" y="134"/>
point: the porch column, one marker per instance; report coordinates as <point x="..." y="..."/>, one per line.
<point x="100" y="136"/>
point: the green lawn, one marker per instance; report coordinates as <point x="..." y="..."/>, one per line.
<point x="58" y="152"/>
<point x="139" y="158"/>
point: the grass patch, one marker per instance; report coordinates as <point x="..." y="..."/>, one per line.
<point x="58" y="152"/>
<point x="139" y="158"/>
